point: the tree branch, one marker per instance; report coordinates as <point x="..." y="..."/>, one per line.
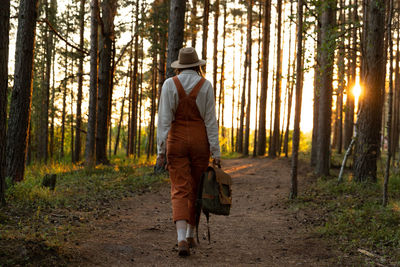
<point x="85" y="52"/>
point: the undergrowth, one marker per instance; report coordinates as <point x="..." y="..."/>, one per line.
<point x="37" y="219"/>
<point x="352" y="214"/>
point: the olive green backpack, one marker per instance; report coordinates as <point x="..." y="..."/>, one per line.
<point x="214" y="195"/>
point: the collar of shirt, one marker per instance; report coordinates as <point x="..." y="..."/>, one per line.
<point x="189" y="72"/>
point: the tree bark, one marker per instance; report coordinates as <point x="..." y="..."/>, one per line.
<point x="258" y="81"/>
<point x="248" y="107"/>
<point x="262" y="138"/>
<point x="222" y="79"/>
<point x="105" y="79"/>
<point x="90" y="155"/>
<point x="373" y="79"/>
<point x="193" y="21"/>
<point x="175" y="32"/>
<point x="43" y="146"/>
<point x="272" y="152"/>
<point x="290" y="87"/>
<point x="325" y="96"/>
<point x="299" y="89"/>
<point x="206" y="14"/>
<point x="215" y="53"/>
<point x="4" y="49"/>
<point x="78" y="122"/>
<point x="317" y="82"/>
<point x="390" y="104"/>
<point x="349" y="110"/>
<point x="21" y="98"/>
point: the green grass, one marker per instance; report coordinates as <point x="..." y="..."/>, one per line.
<point x="352" y="215"/>
<point x="39" y="221"/>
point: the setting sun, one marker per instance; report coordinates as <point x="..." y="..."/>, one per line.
<point x="357" y="90"/>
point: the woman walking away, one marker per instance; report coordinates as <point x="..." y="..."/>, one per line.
<point x="187" y="133"/>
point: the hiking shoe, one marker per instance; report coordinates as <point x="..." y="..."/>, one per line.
<point x="183" y="249"/>
<point x="191" y="242"/>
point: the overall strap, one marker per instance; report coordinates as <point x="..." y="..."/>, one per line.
<point x="179" y="87"/>
<point x="197" y="88"/>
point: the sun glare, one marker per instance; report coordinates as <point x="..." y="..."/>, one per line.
<point x="357" y="90"/>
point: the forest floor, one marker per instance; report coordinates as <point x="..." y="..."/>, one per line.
<point x="263" y="229"/>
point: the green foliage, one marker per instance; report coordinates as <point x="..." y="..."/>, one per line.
<point x="353" y="215"/>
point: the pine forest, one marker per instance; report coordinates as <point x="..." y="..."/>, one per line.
<point x="307" y="102"/>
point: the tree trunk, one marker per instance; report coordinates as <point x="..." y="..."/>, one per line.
<point x="175" y="32"/>
<point x="71" y="121"/>
<point x="396" y="110"/>
<point x="134" y="87"/>
<point x="390" y="104"/>
<point x="206" y="14"/>
<point x="215" y="53"/>
<point x="349" y="110"/>
<point x="373" y="79"/>
<point x="45" y="90"/>
<point x="317" y="83"/>
<point x="325" y="95"/>
<point x="249" y="47"/>
<point x="105" y="76"/>
<point x="4" y="49"/>
<point x="299" y="89"/>
<point x="342" y="71"/>
<point x="52" y="107"/>
<point x="21" y="98"/>
<point x="243" y="102"/>
<point x="193" y="21"/>
<point x="78" y="122"/>
<point x="222" y="80"/>
<point x="275" y="138"/>
<point x="290" y="87"/>
<point x="120" y="123"/>
<point x="258" y="81"/>
<point x="140" y="103"/>
<point x="262" y="138"/>
<point x="90" y="155"/>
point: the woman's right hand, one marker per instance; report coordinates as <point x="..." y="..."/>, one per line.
<point x="217" y="161"/>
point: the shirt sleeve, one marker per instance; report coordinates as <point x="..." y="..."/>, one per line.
<point x="210" y="121"/>
<point x="165" y="117"/>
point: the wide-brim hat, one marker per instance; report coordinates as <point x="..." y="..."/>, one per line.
<point x="187" y="58"/>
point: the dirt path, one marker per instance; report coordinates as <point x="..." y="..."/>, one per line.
<point x="260" y="230"/>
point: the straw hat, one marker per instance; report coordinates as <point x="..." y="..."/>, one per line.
<point x="187" y="58"/>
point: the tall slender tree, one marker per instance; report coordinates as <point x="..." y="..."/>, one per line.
<point x="78" y="123"/>
<point x="327" y="52"/>
<point x="206" y="14"/>
<point x="373" y="79"/>
<point x="262" y="138"/>
<point x="215" y="52"/>
<point x="175" y="32"/>
<point x="299" y="93"/>
<point x="21" y="98"/>
<point x="4" y="47"/>
<point x="272" y="152"/>
<point x="248" y="107"/>
<point x="106" y="40"/>
<point x="90" y="155"/>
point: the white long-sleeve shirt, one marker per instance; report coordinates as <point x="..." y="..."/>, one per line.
<point x="205" y="103"/>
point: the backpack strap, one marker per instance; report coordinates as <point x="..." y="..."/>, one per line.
<point x="179" y="87"/>
<point x="197" y="88"/>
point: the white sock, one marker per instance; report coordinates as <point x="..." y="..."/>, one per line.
<point x="190" y="231"/>
<point x="181" y="226"/>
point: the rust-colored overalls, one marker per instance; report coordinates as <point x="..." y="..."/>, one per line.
<point x="188" y="153"/>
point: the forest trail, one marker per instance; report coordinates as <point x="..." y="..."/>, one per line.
<point x="261" y="230"/>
